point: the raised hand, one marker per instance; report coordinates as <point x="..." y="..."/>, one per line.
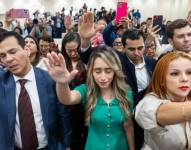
<point x="68" y="22"/>
<point x="56" y="66"/>
<point x="86" y="26"/>
<point x="152" y="33"/>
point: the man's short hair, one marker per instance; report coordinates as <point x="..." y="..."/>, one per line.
<point x="132" y="34"/>
<point x="7" y="34"/>
<point x="176" y="24"/>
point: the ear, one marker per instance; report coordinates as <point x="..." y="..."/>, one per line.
<point x="171" y="41"/>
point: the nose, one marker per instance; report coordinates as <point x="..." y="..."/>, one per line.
<point x="103" y="76"/>
<point x="136" y="52"/>
<point x="184" y="77"/>
<point x="8" y="58"/>
<point x="187" y="38"/>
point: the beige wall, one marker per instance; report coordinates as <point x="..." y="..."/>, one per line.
<point x="171" y="9"/>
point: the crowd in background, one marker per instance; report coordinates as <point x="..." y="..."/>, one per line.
<point x="128" y="84"/>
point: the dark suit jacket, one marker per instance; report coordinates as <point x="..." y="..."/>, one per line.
<point x="55" y="116"/>
<point x="128" y="70"/>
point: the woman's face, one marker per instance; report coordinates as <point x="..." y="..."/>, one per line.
<point x="71" y="50"/>
<point x="117" y="44"/>
<point x="102" y="74"/>
<point x="178" y="79"/>
<point x="31" y="46"/>
<point x="150" y="49"/>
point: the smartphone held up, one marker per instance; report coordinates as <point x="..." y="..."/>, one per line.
<point x="121" y="12"/>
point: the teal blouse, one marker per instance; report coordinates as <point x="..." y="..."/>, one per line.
<point x="106" y="127"/>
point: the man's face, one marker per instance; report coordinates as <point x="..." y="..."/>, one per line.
<point x="181" y="40"/>
<point x="14" y="58"/>
<point x="135" y="50"/>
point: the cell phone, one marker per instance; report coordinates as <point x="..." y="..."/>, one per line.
<point x="158" y="20"/>
<point x="121" y="11"/>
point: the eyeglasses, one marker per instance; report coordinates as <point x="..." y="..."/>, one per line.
<point x="140" y="48"/>
<point x="152" y="46"/>
<point x="117" y="44"/>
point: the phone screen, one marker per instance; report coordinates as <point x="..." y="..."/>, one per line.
<point x="121" y="11"/>
<point x="157" y="20"/>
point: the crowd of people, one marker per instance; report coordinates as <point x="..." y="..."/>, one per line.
<point x="109" y="85"/>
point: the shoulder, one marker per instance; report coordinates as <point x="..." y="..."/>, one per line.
<point x="81" y="88"/>
<point x="41" y="72"/>
<point x="149" y="104"/>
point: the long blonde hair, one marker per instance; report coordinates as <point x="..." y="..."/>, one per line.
<point x="118" y="84"/>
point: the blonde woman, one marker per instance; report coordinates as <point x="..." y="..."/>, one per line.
<point x="107" y="98"/>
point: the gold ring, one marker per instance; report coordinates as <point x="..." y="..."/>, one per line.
<point x="56" y="64"/>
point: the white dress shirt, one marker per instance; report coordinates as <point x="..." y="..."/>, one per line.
<point x="142" y="76"/>
<point x="31" y="88"/>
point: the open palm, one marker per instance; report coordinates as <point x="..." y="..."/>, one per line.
<point x="56" y="66"/>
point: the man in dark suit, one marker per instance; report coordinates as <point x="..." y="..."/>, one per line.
<point x="137" y="68"/>
<point x="48" y="128"/>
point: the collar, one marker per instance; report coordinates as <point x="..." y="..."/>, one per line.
<point x="29" y="76"/>
<point x="139" y="66"/>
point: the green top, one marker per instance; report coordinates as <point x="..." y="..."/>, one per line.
<point x="106" y="128"/>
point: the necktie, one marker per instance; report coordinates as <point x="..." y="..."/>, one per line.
<point x="26" y="119"/>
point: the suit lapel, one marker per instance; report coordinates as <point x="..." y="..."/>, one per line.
<point x="10" y="98"/>
<point x="41" y="88"/>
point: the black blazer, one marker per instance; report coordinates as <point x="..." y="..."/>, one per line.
<point x="128" y="70"/>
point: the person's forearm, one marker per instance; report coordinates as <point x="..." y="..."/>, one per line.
<point x="130" y="135"/>
<point x="63" y="93"/>
<point x="173" y="113"/>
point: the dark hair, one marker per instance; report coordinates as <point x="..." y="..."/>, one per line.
<point x="132" y="34"/>
<point x="176" y="24"/>
<point x="46" y="38"/>
<point x="70" y="37"/>
<point x="1" y="24"/>
<point x="7" y="34"/>
<point x="20" y="30"/>
<point x="38" y="54"/>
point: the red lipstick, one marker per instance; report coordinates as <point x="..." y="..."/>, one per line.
<point x="184" y="88"/>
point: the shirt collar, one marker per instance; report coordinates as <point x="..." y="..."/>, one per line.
<point x="141" y="65"/>
<point x="29" y="76"/>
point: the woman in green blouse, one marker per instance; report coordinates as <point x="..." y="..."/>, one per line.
<point x="107" y="98"/>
